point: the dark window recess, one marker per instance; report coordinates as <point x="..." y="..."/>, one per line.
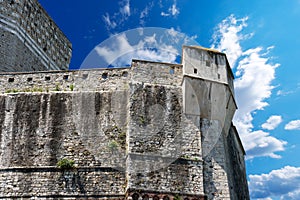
<point x="216" y="60"/>
<point x="145" y="197"/>
<point x="47" y="78"/>
<point x="66" y="77"/>
<point x="104" y="75"/>
<point x="219" y="76"/>
<point x="125" y="74"/>
<point x="84" y="76"/>
<point x="155" y="197"/>
<point x="45" y="49"/>
<point x="166" y="198"/>
<point x="172" y="70"/>
<point x="208" y="63"/>
<point x="195" y="71"/>
<point x="29" y="79"/>
<point x="10" y="80"/>
<point x="135" y="196"/>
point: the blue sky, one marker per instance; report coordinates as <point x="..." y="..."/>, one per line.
<point x="261" y="40"/>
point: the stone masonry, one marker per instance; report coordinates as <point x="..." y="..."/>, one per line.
<point x="151" y="131"/>
<point x="29" y="39"/>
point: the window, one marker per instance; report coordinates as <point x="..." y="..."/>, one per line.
<point x="172" y="70"/>
<point x="84" y="76"/>
<point x="135" y="196"/>
<point x="125" y="74"/>
<point x="208" y="63"/>
<point x="145" y="197"/>
<point x="65" y="77"/>
<point x="29" y="79"/>
<point x="195" y="71"/>
<point x="47" y="78"/>
<point x="104" y="75"/>
<point x="10" y="80"/>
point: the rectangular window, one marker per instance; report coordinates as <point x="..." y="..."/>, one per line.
<point x="195" y="71"/>
<point x="208" y="63"/>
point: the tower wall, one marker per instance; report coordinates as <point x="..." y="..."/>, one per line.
<point x="164" y="147"/>
<point x="208" y="101"/>
<point x="30" y="40"/>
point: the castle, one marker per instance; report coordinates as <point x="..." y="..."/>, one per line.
<point x="151" y="131"/>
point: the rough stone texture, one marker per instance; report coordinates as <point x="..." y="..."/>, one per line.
<point x="152" y="131"/>
<point x="29" y="39"/>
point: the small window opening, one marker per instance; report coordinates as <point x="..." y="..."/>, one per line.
<point x="195" y="71"/>
<point x="125" y="74"/>
<point x="29" y="79"/>
<point x="10" y="80"/>
<point x="84" y="76"/>
<point x="172" y="70"/>
<point x="66" y="77"/>
<point x="104" y="75"/>
<point x="145" y="197"/>
<point x="47" y="78"/>
<point x="135" y="196"/>
<point x="166" y="198"/>
<point x="208" y="63"/>
<point x="155" y="197"/>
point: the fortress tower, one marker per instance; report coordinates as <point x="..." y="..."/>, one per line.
<point x="29" y="39"/>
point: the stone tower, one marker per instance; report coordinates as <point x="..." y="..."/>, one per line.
<point x="29" y="39"/>
<point x="208" y="100"/>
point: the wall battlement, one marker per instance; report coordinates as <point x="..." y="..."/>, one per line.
<point x="162" y="132"/>
<point x="153" y="131"/>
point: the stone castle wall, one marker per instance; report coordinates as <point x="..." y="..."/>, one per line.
<point x="30" y="40"/>
<point x="130" y="132"/>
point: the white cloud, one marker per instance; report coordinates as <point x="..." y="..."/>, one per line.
<point x="284" y="93"/>
<point x="109" y="24"/>
<point x="283" y="183"/>
<point x="145" y="13"/>
<point x="260" y="143"/>
<point x="121" y="52"/>
<point x="164" y="14"/>
<point x="227" y="38"/>
<point x="253" y="85"/>
<point x="156" y="44"/>
<point x="293" y="125"/>
<point x="272" y="122"/>
<point x="125" y="8"/>
<point x="172" y="11"/>
<point x="112" y="21"/>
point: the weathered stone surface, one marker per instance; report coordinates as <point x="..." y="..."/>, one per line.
<point x="29" y="39"/>
<point x="151" y="131"/>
